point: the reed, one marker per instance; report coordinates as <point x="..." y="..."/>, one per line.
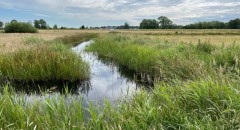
<point x="43" y="62"/>
<point x="164" y="61"/>
<point x="203" y="104"/>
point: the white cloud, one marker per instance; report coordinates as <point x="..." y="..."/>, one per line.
<point x="132" y="11"/>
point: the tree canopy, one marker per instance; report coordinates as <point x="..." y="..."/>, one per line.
<point x="55" y="26"/>
<point x="234" y="24"/>
<point x="1" y="24"/>
<point x="206" y="25"/>
<point x="40" y="24"/>
<point x="149" y="24"/>
<point x="126" y="25"/>
<point x="19" y="27"/>
<point x="165" y="22"/>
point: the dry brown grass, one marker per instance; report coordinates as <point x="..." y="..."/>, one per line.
<point x="12" y="42"/>
<point x="198" y="35"/>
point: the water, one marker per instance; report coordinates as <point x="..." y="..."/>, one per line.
<point x="107" y="81"/>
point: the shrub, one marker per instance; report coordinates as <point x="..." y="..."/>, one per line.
<point x="19" y="27"/>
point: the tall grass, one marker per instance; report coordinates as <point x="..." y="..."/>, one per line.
<point x="167" y="63"/>
<point x="74" y="40"/>
<point x="165" y="60"/>
<point x="203" y="104"/>
<point x="43" y="62"/>
<point x="203" y="92"/>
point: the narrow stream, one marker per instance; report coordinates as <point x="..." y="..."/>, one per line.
<point x="105" y="82"/>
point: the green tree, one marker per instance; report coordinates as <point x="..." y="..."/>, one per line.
<point x="165" y="22"/>
<point x="36" y="24"/>
<point x="55" y="27"/>
<point x="14" y="21"/>
<point x="1" y="24"/>
<point x="43" y="24"/>
<point x="149" y="24"/>
<point x="40" y="24"/>
<point x="82" y="27"/>
<point x="19" y="27"/>
<point x="206" y="25"/>
<point x="126" y="25"/>
<point x="234" y="24"/>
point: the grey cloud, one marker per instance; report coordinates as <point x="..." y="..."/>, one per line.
<point x="133" y="11"/>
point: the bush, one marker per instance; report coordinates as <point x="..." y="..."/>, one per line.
<point x="19" y="27"/>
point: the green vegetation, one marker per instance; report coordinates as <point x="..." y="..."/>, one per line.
<point x="164" y="61"/>
<point x="40" y="24"/>
<point x="55" y="26"/>
<point x="1" y="24"/>
<point x="19" y="27"/>
<point x="165" y="23"/>
<point x="203" y="104"/>
<point x="43" y="62"/>
<point x="149" y="24"/>
<point x="196" y="85"/>
<point x="74" y="40"/>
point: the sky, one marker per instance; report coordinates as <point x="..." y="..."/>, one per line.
<point x="74" y="13"/>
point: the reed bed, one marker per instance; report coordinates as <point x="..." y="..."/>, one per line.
<point x="203" y="104"/>
<point x="42" y="60"/>
<point x="165" y="60"/>
<point x="198" y="87"/>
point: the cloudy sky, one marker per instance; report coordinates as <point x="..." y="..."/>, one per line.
<point x="74" y="13"/>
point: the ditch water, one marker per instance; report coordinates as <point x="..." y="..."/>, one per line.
<point x="107" y="81"/>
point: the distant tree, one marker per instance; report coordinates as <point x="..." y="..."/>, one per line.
<point x="82" y="27"/>
<point x="149" y="24"/>
<point x="19" y="27"/>
<point x="165" y="22"/>
<point x="43" y="24"/>
<point x="234" y="24"/>
<point x="40" y="24"/>
<point x="36" y="24"/>
<point x="1" y="24"/>
<point x="207" y="25"/>
<point x="126" y="25"/>
<point x="14" y="21"/>
<point x="63" y="27"/>
<point x="55" y="27"/>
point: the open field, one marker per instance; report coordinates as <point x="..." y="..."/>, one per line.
<point x="11" y="42"/>
<point x="196" y="79"/>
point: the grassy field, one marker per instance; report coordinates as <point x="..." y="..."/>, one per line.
<point x="11" y="42"/>
<point x="196" y="76"/>
<point x="44" y="60"/>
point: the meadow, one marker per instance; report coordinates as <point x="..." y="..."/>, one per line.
<point x="195" y="74"/>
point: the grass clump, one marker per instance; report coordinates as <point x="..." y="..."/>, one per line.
<point x="19" y="27"/>
<point x="63" y="112"/>
<point x="203" y="104"/>
<point x="205" y="47"/>
<point x="74" y="40"/>
<point x="44" y="62"/>
<point x="193" y="105"/>
<point x="171" y="62"/>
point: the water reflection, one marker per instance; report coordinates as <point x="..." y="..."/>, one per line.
<point x="108" y="81"/>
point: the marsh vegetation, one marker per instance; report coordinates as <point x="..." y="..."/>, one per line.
<point x="195" y="76"/>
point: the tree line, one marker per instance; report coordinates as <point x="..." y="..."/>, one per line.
<point x="164" y="22"/>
